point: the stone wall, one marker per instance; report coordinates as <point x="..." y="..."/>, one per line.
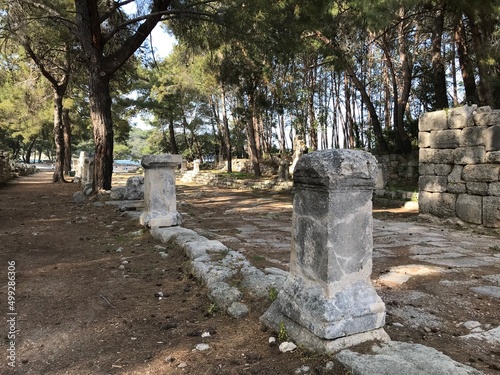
<point x="5" y="173"/>
<point x="460" y="164"/>
<point x="223" y="180"/>
<point x="398" y="171"/>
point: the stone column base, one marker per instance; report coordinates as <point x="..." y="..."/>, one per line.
<point x="160" y="219"/>
<point x="345" y="308"/>
<point x="303" y="337"/>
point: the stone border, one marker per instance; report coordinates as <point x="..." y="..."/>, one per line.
<point x="215" y="264"/>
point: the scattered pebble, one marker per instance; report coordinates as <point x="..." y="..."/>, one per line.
<point x="303" y="370"/>
<point x="329" y="365"/>
<point x="202" y="347"/>
<point x="163" y="254"/>
<point x="398" y="325"/>
<point x="125" y="262"/>
<point x="182" y="365"/>
<point x="287" y="347"/>
<point x="119" y="250"/>
<point x="272" y="341"/>
<point x="205" y="334"/>
<point x="121" y="267"/>
<point x="471" y="324"/>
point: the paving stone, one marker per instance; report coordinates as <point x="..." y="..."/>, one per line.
<point x="488" y="290"/>
<point x="396" y="358"/>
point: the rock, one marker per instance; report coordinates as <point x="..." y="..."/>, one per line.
<point x="182" y="365"/>
<point x="287" y="347"/>
<point x="202" y="347"/>
<point x="237" y="310"/>
<point x="223" y="294"/>
<point x="471" y="324"/>
<point x="303" y="369"/>
<point x="119" y="250"/>
<point x="397" y="358"/>
<point x="134" y="189"/>
<point x="137" y="233"/>
<point x="79" y="197"/>
<point x="205" y="334"/>
<point x="121" y="267"/>
<point x="487" y="290"/>
<point x="272" y="341"/>
<point x="117" y="193"/>
<point x="163" y="254"/>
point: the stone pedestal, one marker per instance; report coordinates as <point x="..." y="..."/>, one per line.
<point x="160" y="208"/>
<point x="196" y="165"/>
<point x="328" y="301"/>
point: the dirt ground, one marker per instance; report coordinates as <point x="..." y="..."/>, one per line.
<point x="84" y="308"/>
<point x="88" y="281"/>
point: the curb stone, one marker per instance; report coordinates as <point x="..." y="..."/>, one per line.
<point x="214" y="264"/>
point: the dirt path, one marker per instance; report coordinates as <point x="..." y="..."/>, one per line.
<point x="86" y="297"/>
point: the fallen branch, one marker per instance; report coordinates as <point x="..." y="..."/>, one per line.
<point x="105" y="299"/>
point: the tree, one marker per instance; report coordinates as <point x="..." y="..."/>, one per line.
<point x="47" y="44"/>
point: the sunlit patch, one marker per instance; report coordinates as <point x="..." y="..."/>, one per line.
<point x="401" y="274"/>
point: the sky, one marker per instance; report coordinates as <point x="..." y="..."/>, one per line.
<point x="163" y="42"/>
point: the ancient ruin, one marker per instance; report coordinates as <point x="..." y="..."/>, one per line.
<point x="460" y="164"/>
<point x="159" y="191"/>
<point x="328" y="301"/>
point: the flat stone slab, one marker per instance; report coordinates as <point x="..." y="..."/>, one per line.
<point x="396" y="358"/>
<point x="488" y="290"/>
<point x="492" y="336"/>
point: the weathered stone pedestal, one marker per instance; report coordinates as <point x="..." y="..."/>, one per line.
<point x="160" y="208"/>
<point x="328" y="302"/>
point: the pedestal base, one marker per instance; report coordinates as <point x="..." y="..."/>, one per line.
<point x="274" y="319"/>
<point x="160" y="219"/>
<point x="340" y="309"/>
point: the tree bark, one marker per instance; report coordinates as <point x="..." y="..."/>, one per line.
<point x="67" y="142"/>
<point x="438" y="69"/>
<point x="251" y="136"/>
<point x="100" y="115"/>
<point x="101" y="69"/>
<point x="58" y="175"/>
<point x="227" y="135"/>
<point x="466" y="67"/>
<point x="171" y="135"/>
<point x="481" y="47"/>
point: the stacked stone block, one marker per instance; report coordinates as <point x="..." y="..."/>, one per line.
<point x="5" y="173"/>
<point x="459" y="155"/>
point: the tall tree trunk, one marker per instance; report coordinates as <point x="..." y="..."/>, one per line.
<point x="100" y="115"/>
<point x="481" y="49"/>
<point x="58" y="175"/>
<point x="313" y="123"/>
<point x="377" y="128"/>
<point x="438" y="69"/>
<point x="466" y="67"/>
<point x="406" y="87"/>
<point x="67" y="142"/>
<point x="227" y="134"/>
<point x="171" y="136"/>
<point x="348" y="130"/>
<point x="400" y="99"/>
<point x="381" y="143"/>
<point x="252" y="136"/>
<point x="454" y="73"/>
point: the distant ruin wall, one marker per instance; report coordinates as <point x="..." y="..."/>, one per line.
<point x="398" y="171"/>
<point x="5" y="174"/>
<point x="459" y="156"/>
